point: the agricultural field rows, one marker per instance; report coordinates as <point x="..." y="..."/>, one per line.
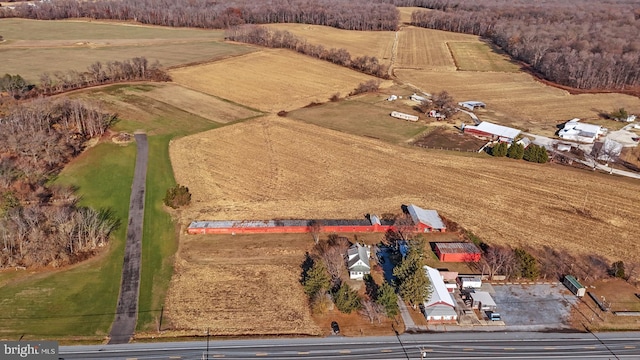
<point x="270" y="80"/>
<point x="426" y="49"/>
<point x="279" y="168"/>
<point x="358" y="43"/>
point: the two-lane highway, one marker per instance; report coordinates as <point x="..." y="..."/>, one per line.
<point x="466" y="346"/>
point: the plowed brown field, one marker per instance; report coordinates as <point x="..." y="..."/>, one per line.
<point x="358" y="43"/>
<point x="271" y="80"/>
<point x="240" y="285"/>
<point x="277" y="168"/>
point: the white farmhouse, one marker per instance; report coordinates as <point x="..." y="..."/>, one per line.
<point x="440" y="307"/>
<point x="358" y="261"/>
<point x="578" y="131"/>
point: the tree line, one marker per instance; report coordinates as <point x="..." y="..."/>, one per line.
<point x="283" y="39"/>
<point x="342" y="14"/>
<point x="585" y="44"/>
<point x="98" y="73"/>
<point x="41" y="224"/>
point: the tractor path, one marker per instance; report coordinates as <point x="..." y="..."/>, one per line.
<point x="124" y="324"/>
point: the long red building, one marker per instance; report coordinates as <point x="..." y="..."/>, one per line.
<point x="372" y="223"/>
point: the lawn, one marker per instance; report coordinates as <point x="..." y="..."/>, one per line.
<point x="79" y="301"/>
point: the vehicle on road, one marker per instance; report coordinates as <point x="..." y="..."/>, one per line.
<point x="335" y="328"/>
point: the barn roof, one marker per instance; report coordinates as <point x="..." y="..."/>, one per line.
<point x="427" y="217"/>
<point x="457" y="248"/>
<point x="439" y="294"/>
<point x="495" y="129"/>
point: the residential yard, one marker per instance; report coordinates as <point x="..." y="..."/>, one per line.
<point x="619" y="295"/>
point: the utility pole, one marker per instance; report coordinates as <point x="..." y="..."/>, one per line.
<point x="207" y="343"/>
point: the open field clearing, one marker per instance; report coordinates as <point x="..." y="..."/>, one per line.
<point x="270" y="80"/>
<point x="517" y="99"/>
<point x="358" y="43"/>
<point x="240" y="285"/>
<point x="34" y="47"/>
<point x="426" y="49"/>
<point x="405" y="13"/>
<point x="478" y="56"/>
<point x="279" y="168"/>
<point x="366" y="115"/>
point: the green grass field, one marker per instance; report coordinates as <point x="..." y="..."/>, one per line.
<point x="34" y="47"/>
<point x="477" y="56"/>
<point x="79" y="303"/>
<point x="368" y="116"/>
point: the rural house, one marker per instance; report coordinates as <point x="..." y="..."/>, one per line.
<point x="426" y="220"/>
<point x="440" y="306"/>
<point x="358" y="261"/>
<point x="578" y="131"/>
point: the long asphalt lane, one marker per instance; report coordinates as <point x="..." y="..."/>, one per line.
<point x="127" y="311"/>
<point x="461" y="346"/>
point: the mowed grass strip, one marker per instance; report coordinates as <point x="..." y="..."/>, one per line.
<point x="358" y="43"/>
<point x="517" y="99"/>
<point x="79" y="301"/>
<point x="271" y="79"/>
<point x="276" y="167"/>
<point x="478" y="56"/>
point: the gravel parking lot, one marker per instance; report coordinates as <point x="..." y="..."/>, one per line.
<point x="534" y="307"/>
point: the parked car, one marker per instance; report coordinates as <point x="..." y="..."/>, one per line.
<point x="335" y="329"/>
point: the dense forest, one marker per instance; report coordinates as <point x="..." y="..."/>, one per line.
<point x="343" y="14"/>
<point x="586" y="44"/>
<point x="283" y="39"/>
<point x="40" y="223"/>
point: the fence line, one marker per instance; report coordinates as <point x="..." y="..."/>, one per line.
<point x="446" y="148"/>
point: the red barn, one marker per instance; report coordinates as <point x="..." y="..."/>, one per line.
<point x="457" y="252"/>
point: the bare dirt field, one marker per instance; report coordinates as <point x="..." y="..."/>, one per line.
<point x="270" y="80"/>
<point x="358" y="43"/>
<point x="426" y="49"/>
<point x="278" y="168"/>
<point x="240" y="285"/>
<point x="517" y="99"/>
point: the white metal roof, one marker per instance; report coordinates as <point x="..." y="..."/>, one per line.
<point x="483" y="297"/>
<point x="440" y="311"/>
<point x="427" y="217"/>
<point x="495" y="129"/>
<point x="582" y="127"/>
<point x="439" y="292"/>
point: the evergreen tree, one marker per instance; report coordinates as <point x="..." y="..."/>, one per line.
<point x="388" y="299"/>
<point x="542" y="156"/>
<point x="528" y="265"/>
<point x="316" y="279"/>
<point x="499" y="150"/>
<point x="346" y="300"/>
<point x="413" y="284"/>
<point x="516" y="151"/>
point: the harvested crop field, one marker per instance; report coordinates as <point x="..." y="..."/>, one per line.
<point x="240" y="285"/>
<point x="426" y="49"/>
<point x="34" y="47"/>
<point x="478" y="56"/>
<point x="270" y="80"/>
<point x="279" y="168"/>
<point x="358" y="43"/>
<point x="518" y="99"/>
